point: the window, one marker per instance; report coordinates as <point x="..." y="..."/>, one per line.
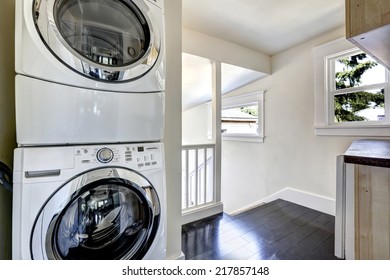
<point x="356" y="88"/>
<point x="352" y="92"/>
<point x="242" y="117"/>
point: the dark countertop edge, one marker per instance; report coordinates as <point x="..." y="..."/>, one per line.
<point x="379" y="162"/>
<point x="374" y="152"/>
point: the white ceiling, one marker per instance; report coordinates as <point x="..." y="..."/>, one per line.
<point x="267" y="26"/>
<point x="197" y="79"/>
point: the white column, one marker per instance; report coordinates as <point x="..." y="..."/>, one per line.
<point x="216" y="122"/>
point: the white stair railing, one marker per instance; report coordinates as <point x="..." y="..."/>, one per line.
<point x="198" y="176"/>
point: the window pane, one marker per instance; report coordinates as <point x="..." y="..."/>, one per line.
<point x="358" y="70"/>
<point x="241" y="119"/>
<point x="360" y="106"/>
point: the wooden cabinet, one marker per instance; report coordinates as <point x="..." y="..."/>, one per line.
<point x="368" y="27"/>
<point x="366" y="15"/>
<point x="372" y="212"/>
<point x="364" y="201"/>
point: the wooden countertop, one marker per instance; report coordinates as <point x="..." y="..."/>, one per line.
<point x="369" y="152"/>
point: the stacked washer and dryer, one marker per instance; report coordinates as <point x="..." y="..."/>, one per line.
<point x="89" y="177"/>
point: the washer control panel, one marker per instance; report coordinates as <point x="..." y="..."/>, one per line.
<point x="135" y="156"/>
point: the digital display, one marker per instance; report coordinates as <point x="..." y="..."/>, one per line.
<point x="140" y="149"/>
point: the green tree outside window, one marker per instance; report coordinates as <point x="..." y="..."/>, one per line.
<point x="348" y="105"/>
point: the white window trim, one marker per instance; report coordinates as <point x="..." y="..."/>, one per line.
<point x="244" y="100"/>
<point x="323" y="123"/>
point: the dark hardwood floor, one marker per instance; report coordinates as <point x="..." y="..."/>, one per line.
<point x="278" y="230"/>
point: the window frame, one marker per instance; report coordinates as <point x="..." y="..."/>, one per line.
<point x="324" y="95"/>
<point x="332" y="91"/>
<point x="245" y="100"/>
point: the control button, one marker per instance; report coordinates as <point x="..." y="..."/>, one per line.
<point x="154" y="162"/>
<point x="153" y="157"/>
<point x="147" y="163"/>
<point x="140" y="165"/>
<point x="105" y="155"/>
<point x="85" y="161"/>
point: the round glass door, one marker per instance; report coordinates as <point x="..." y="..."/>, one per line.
<point x="105" y="38"/>
<point x="107" y="217"/>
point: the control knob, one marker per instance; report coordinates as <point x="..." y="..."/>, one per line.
<point x="105" y="155"/>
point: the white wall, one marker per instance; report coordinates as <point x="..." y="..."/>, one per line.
<point x="172" y="138"/>
<point x="195" y="125"/>
<point x="7" y="118"/>
<point x="291" y="156"/>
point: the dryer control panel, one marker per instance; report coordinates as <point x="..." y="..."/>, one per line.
<point x="135" y="156"/>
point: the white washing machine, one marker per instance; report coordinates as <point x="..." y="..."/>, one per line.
<point x="112" y="45"/>
<point x="89" y="202"/>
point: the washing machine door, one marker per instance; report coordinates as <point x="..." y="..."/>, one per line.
<point x="106" y="214"/>
<point x="108" y="40"/>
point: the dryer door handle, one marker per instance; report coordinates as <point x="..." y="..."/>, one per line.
<point x="42" y="173"/>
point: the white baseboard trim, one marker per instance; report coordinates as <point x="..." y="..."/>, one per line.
<point x="317" y="202"/>
<point x="201" y="213"/>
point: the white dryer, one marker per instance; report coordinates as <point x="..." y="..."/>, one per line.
<point x="112" y="45"/>
<point x="89" y="202"/>
<point x="53" y="114"/>
<point x="89" y="71"/>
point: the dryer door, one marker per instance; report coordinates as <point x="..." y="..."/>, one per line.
<point x="108" y="213"/>
<point x="109" y="40"/>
